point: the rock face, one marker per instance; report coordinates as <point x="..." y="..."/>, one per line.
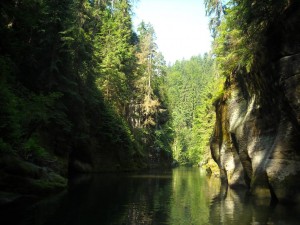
<point x="256" y="142"/>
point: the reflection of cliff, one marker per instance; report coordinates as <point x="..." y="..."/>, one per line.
<point x="257" y="134"/>
<point x="233" y="207"/>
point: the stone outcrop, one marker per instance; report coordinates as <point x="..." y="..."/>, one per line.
<point x="256" y="142"/>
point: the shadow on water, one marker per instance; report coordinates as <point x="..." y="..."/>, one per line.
<point x="178" y="197"/>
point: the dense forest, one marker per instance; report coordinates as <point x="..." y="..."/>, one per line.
<point x="82" y="91"/>
<point x="192" y="87"/>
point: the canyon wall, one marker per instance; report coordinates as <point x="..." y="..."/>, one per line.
<point x="256" y="141"/>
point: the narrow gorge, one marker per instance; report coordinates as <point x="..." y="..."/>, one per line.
<point x="98" y="127"/>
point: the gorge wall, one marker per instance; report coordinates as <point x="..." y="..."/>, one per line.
<point x="256" y="141"/>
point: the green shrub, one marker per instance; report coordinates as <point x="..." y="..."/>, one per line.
<point x="32" y="150"/>
<point x="5" y="148"/>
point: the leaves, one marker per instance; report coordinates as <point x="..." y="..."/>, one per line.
<point x="239" y="32"/>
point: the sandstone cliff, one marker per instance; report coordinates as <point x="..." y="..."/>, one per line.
<point x="256" y="141"/>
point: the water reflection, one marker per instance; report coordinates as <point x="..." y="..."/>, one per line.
<point x="238" y="207"/>
<point x="178" y="197"/>
<point x="191" y="194"/>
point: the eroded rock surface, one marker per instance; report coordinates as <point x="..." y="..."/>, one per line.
<point x="256" y="142"/>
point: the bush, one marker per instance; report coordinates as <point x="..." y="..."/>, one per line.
<point x="5" y="148"/>
<point x="33" y="151"/>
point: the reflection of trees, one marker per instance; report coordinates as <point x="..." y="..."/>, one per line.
<point x="191" y="196"/>
<point x="150" y="202"/>
<point x="107" y="199"/>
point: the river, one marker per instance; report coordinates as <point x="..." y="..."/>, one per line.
<point x="182" y="196"/>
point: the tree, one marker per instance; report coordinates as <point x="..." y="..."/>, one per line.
<point x="116" y="50"/>
<point x="147" y="52"/>
<point x="148" y="110"/>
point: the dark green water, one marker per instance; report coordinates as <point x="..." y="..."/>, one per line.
<point x="183" y="196"/>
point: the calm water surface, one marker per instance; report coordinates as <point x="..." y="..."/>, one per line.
<point x="182" y="196"/>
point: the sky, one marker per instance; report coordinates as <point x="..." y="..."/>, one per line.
<point x="181" y="26"/>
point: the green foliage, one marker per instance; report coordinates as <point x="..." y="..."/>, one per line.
<point x="5" y="148"/>
<point x="55" y="60"/>
<point x="215" y="9"/>
<point x="10" y="117"/>
<point x="239" y="31"/>
<point x="116" y="51"/>
<point x="32" y="150"/>
<point x="192" y="85"/>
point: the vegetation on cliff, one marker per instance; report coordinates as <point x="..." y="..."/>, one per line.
<point x="256" y="47"/>
<point x="239" y="28"/>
